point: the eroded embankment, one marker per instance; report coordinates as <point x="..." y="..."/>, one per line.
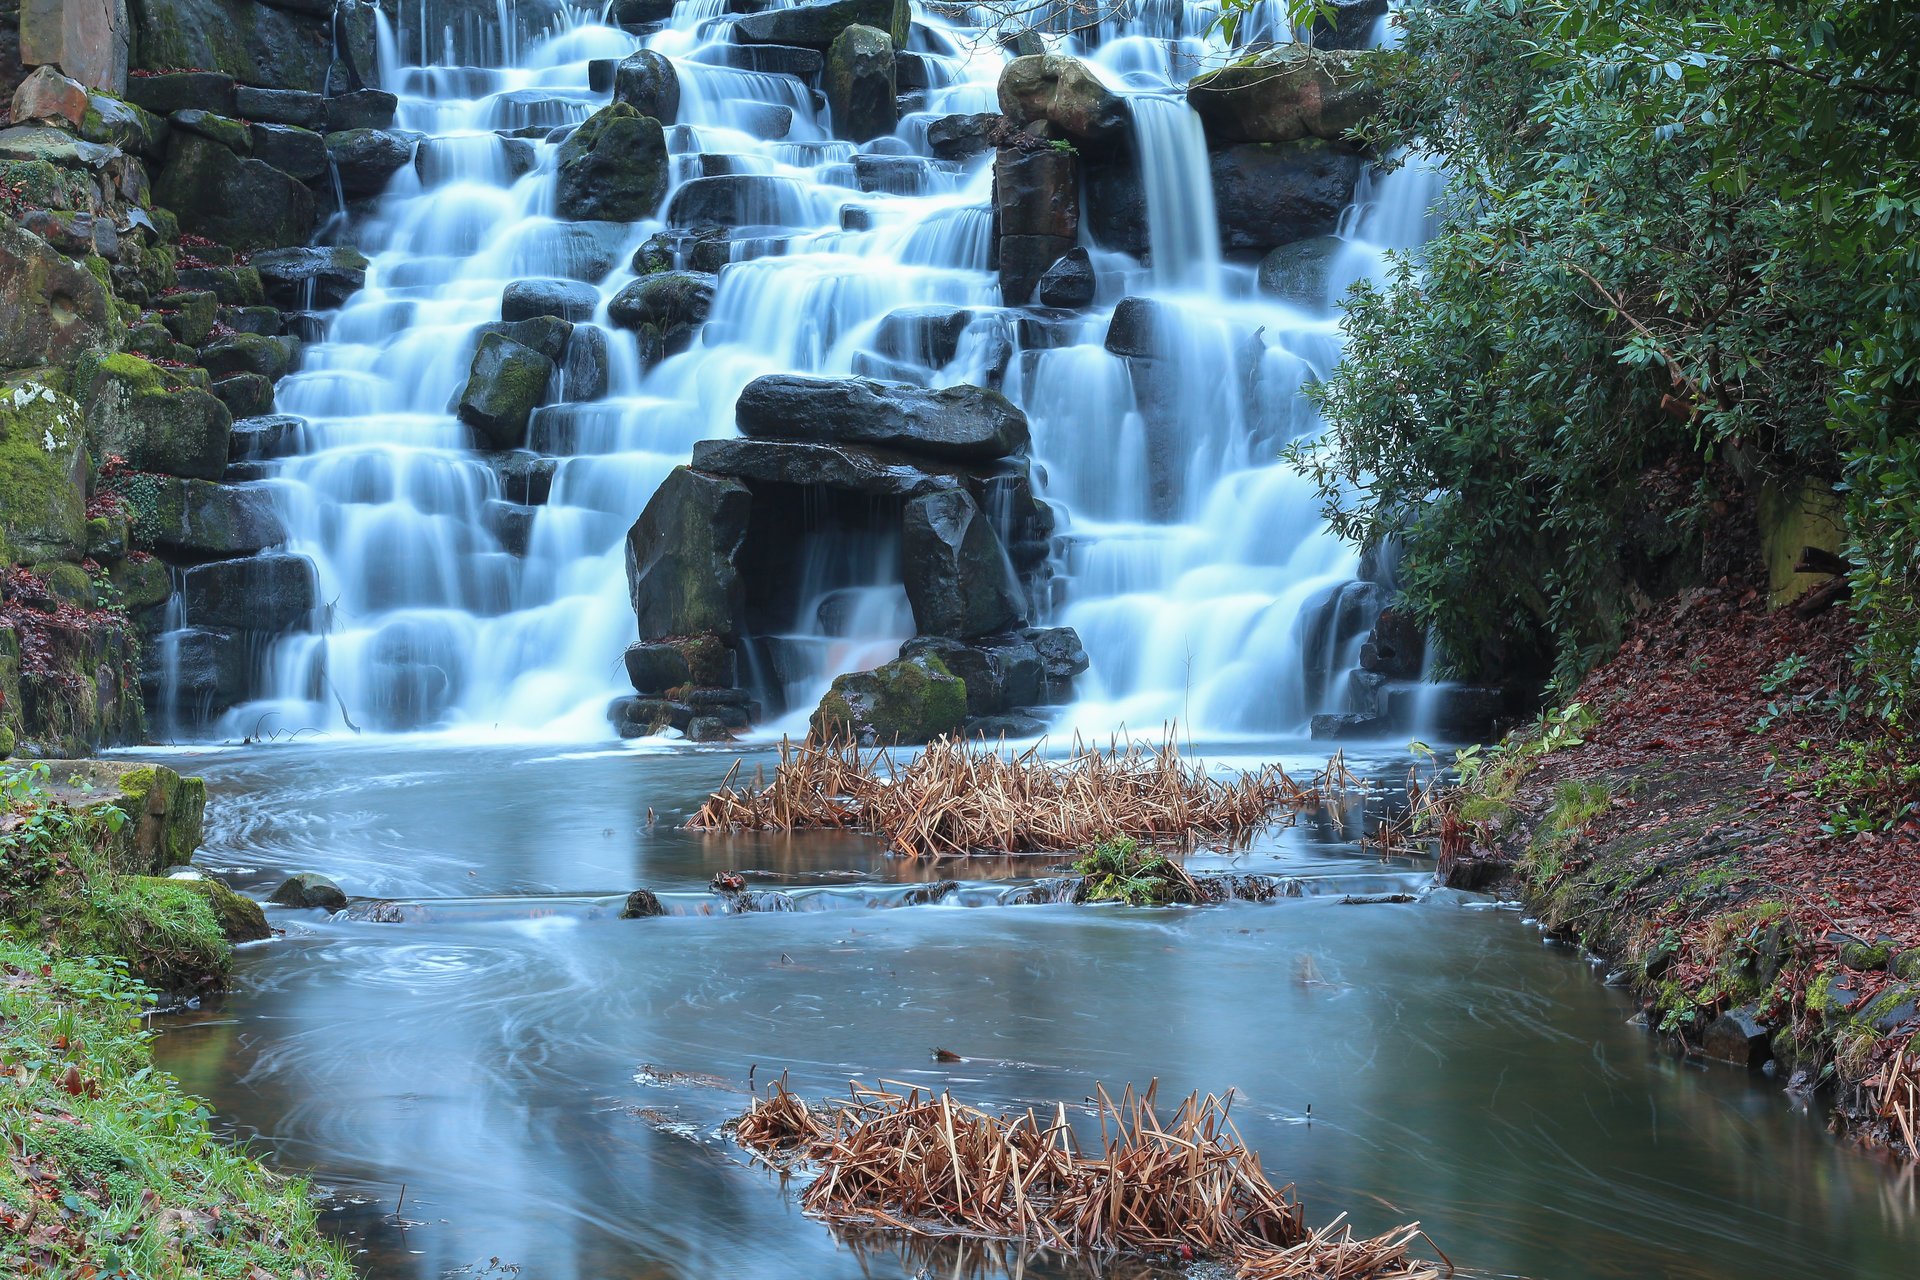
<point x="1699" y="814"/>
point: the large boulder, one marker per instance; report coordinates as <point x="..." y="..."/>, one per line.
<point x="88" y="39"/>
<point x="666" y="310"/>
<point x="567" y="299"/>
<point x="43" y="471"/>
<point x="860" y="84"/>
<point x="135" y="414"/>
<point x="612" y="168"/>
<point x="247" y="203"/>
<point x="963" y="423"/>
<point x="1269" y="194"/>
<point x="818" y="25"/>
<point x="200" y="519"/>
<point x="682" y="572"/>
<point x="647" y="82"/>
<point x="1284" y="95"/>
<point x="1064" y="93"/>
<point x="1300" y="272"/>
<point x="272" y="592"/>
<point x="47" y="95"/>
<point x="880" y="472"/>
<point x="290" y="149"/>
<point x="904" y="703"/>
<point x="51" y="307"/>
<point x="366" y="159"/>
<point x="1001" y="672"/>
<point x="505" y="384"/>
<point x="248" y="41"/>
<point x="303" y="278"/>
<point x="957" y="575"/>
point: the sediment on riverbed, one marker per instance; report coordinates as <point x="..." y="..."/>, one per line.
<point x="1701" y="814"/>
<point x="111" y="1168"/>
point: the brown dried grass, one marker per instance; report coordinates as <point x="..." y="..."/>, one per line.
<point x="921" y="1163"/>
<point x="959" y="798"/>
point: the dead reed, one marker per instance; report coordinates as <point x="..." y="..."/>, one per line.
<point x="921" y="1163"/>
<point x="959" y="798"/>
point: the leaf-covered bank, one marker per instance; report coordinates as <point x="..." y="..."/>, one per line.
<point x="110" y="1169"/>
<point x="1698" y="815"/>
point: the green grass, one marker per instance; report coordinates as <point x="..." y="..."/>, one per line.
<point x="1577" y="804"/>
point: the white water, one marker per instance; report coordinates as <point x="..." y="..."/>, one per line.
<point x="1194" y="566"/>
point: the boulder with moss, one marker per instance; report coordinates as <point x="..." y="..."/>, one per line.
<point x="612" y="168"/>
<point x="1288" y="93"/>
<point x="43" y="473"/>
<point x="136" y="412"/>
<point x="905" y="702"/>
<point x="51" y="308"/>
<point x="164" y="813"/>
<point x="245" y="203"/>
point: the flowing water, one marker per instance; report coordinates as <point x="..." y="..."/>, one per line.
<point x="1194" y="565"/>
<point x="548" y="1080"/>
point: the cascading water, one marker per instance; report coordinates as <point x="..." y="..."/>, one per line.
<point x="487" y="591"/>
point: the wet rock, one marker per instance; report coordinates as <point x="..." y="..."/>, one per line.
<point x="1001" y="672"/>
<point x="860" y="84"/>
<point x="927" y="335"/>
<point x="549" y="335"/>
<point x="1064" y="93"/>
<point x="290" y="149"/>
<point x="506" y="382"/>
<point x="1136" y="328"/>
<point x="584" y="372"/>
<point x="1738" y="1036"/>
<point x="640" y="904"/>
<point x="294" y="107"/>
<point x="957" y="575"/>
<point x="853" y="467"/>
<point x="251" y="42"/>
<point x="199" y="519"/>
<point x="230" y="286"/>
<point x="247" y="203"/>
<point x="961" y="137"/>
<point x="1284" y="95"/>
<point x="510" y="523"/>
<point x="134" y="412"/>
<point x="612" y="168"/>
<point x="567" y="299"/>
<point x="361" y="109"/>
<point x="682" y="573"/>
<point x="51" y="308"/>
<point x="366" y="159"/>
<point x="1300" y="272"/>
<point x="175" y="91"/>
<point x="902" y="703"/>
<point x="275" y="436"/>
<point x="524" y="477"/>
<point x="228" y="132"/>
<point x="1061" y="659"/>
<point x="1346" y="725"/>
<point x="818" y="25"/>
<point x="667" y="310"/>
<point x="48" y="95"/>
<point x="656" y="668"/>
<point x="277" y="591"/>
<point x="1070" y="282"/>
<point x="891" y="175"/>
<point x="1037" y="206"/>
<point x="210" y="670"/>
<point x="962" y="423"/>
<point x="1273" y="194"/>
<point x="739" y="200"/>
<point x="1351" y="25"/>
<point x="768" y="59"/>
<point x="271" y="358"/>
<point x="246" y="395"/>
<point x="1011" y="724"/>
<point x="647" y="82"/>
<point x="305" y="278"/>
<point x="308" y="889"/>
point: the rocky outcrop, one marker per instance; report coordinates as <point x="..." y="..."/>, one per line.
<point x="1284" y="95"/>
<point x="902" y="703"/>
<point x="961" y="423"/>
<point x="819" y="24"/>
<point x="43" y="470"/>
<point x="683" y="575"/>
<point x="247" y="41"/>
<point x="246" y="203"/>
<point x="505" y="384"/>
<point x="1062" y="92"/>
<point x="860" y="84"/>
<point x="134" y="413"/>
<point x="51" y="308"/>
<point x="957" y="574"/>
<point x="303" y="278"/>
<point x="612" y="168"/>
<point x="88" y="39"/>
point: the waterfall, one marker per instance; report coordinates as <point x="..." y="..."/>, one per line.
<point x="463" y="591"/>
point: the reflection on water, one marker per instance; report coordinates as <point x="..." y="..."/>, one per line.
<point x="514" y="1067"/>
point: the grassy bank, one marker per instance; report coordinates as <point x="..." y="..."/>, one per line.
<point x="1702" y="814"/>
<point x="111" y="1169"/>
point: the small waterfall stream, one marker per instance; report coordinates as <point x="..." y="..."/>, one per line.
<point x="464" y="591"/>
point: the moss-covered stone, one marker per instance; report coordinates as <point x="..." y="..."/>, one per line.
<point x="505" y="383"/>
<point x="612" y="168"/>
<point x="41" y="184"/>
<point x="860" y="84"/>
<point x="253" y="43"/>
<point x="682" y="572"/>
<point x="142" y="583"/>
<point x="249" y="353"/>
<point x="198" y="518"/>
<point x="190" y="316"/>
<point x="133" y="412"/>
<point x="905" y="702"/>
<point x="1865" y="955"/>
<point x="240" y="918"/>
<point x="51" y="308"/>
<point x="248" y="204"/>
<point x="43" y="472"/>
<point x="66" y="581"/>
<point x="228" y="132"/>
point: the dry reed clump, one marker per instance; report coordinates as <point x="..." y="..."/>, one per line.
<point x="919" y="1162"/>
<point x="957" y="798"/>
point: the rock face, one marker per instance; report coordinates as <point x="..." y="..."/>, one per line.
<point x="1064" y="93"/>
<point x="1037" y="203"/>
<point x="51" y="307"/>
<point x="903" y="703"/>
<point x="248" y="203"/>
<point x="88" y="39"/>
<point x="505" y="384"/>
<point x="43" y="470"/>
<point x="133" y="414"/>
<point x="818" y="25"/>
<point x="1283" y="96"/>
<point x="247" y="41"/>
<point x="647" y="82"/>
<point x="963" y="423"/>
<point x="958" y="578"/>
<point x="1273" y="194"/>
<point x="1300" y="272"/>
<point x="366" y="159"/>
<point x="271" y="592"/>
<point x="290" y="149"/>
<point x="682" y="571"/>
<point x="612" y="168"/>
<point x="860" y="84"/>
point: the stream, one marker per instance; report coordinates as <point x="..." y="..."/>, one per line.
<point x="548" y="1081"/>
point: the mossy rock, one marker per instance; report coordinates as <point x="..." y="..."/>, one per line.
<point x="1867" y="956"/>
<point x="240" y="918"/>
<point x="66" y="581"/>
<point x="43" y="472"/>
<point x="612" y="168"/>
<point x="142" y="582"/>
<point x="1907" y="965"/>
<point x="133" y="413"/>
<point x="903" y="703"/>
<point x="165" y="811"/>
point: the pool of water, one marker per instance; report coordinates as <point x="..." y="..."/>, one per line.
<point x="548" y="1081"/>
